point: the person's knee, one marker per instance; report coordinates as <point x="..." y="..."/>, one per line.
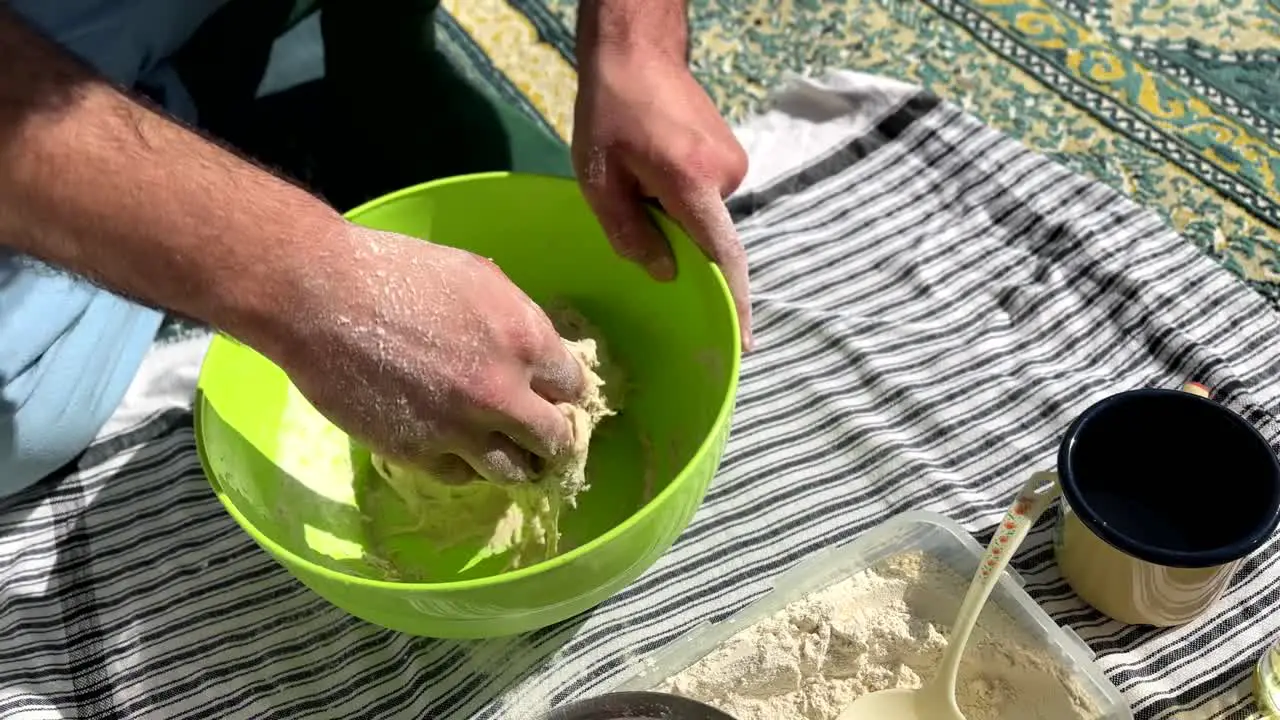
<point x="55" y="398"/>
<point x="20" y="468"/>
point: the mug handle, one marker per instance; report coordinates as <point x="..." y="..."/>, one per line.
<point x="1196" y="388"/>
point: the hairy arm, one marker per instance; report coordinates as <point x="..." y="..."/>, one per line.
<point x="656" y="26"/>
<point x="94" y="182"/>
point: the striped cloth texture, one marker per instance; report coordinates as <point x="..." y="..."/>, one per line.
<point x="934" y="305"/>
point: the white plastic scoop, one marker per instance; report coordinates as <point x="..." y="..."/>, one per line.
<point x="937" y="699"/>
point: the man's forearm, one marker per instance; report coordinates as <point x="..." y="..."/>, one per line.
<point x="657" y="26"/>
<point x="94" y="182"/>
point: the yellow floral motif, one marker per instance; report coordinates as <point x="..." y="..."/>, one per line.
<point x="1048" y="28"/>
<point x="511" y="41"/>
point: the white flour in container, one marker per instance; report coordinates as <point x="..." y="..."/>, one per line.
<point x="883" y="628"/>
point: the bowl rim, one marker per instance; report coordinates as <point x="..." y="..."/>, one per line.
<point x="704" y="449"/>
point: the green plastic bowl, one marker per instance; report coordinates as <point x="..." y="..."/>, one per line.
<point x="649" y="466"/>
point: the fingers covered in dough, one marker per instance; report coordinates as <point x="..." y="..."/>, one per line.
<point x="538" y="426"/>
<point x="499" y="459"/>
<point x="558" y="376"/>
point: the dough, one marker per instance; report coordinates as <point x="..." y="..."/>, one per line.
<point x="522" y="521"/>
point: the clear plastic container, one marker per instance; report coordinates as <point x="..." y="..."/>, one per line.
<point x="931" y="533"/>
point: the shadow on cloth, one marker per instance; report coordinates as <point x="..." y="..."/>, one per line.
<point x="127" y="591"/>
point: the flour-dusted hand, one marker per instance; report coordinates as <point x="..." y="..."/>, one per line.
<point x="644" y="128"/>
<point x="432" y="357"/>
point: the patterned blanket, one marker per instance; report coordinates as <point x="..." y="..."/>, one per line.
<point x="935" y="303"/>
<point x="1174" y="103"/>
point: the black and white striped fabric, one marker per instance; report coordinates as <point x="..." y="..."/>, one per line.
<point x="934" y="304"/>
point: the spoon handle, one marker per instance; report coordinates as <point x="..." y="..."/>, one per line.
<point x="1033" y="499"/>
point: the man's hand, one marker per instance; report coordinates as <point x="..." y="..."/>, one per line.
<point x="644" y="128"/>
<point x="430" y="355"/>
<point x="424" y="353"/>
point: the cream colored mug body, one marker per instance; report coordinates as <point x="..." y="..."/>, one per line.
<point x="1130" y="589"/>
<point x="1163" y="494"/>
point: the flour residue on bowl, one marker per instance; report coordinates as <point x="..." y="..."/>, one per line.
<point x="883" y="628"/>
<point x="314" y="451"/>
<point x="316" y="456"/>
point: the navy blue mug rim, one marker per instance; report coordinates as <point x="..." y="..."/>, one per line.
<point x="1241" y="548"/>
